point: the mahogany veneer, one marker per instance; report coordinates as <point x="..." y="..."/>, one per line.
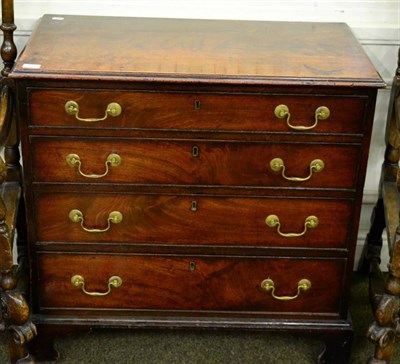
<point x="215" y="208"/>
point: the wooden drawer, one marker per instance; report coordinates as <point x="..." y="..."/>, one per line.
<point x="170" y="282"/>
<point x="192" y="220"/>
<point x="194" y="162"/>
<point x="196" y="111"/>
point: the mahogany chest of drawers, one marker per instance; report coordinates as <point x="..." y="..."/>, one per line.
<point x="194" y="173"/>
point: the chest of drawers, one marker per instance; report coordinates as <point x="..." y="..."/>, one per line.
<point x="194" y="173"/>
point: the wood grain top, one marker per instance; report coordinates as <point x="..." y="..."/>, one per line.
<point x="85" y="47"/>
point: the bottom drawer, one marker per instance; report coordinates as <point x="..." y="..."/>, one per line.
<point x="212" y="283"/>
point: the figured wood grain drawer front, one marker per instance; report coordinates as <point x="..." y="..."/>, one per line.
<point x="199" y="220"/>
<point x="194" y="162"/>
<point x="189" y="283"/>
<point x="187" y="111"/>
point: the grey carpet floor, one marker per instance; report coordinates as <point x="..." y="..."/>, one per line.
<point x="209" y="347"/>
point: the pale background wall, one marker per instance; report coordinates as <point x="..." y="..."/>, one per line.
<point x="375" y="23"/>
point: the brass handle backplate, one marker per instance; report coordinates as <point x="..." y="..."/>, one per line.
<point x="74" y="160"/>
<point x="321" y="113"/>
<point x="277" y="164"/>
<point x="112" y="109"/>
<point x="115" y="217"/>
<point x="273" y="221"/>
<point x="113" y="282"/>
<point x="269" y="286"/>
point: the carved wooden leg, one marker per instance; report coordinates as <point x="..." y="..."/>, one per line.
<point x="18" y="336"/>
<point x="386" y="326"/>
<point x="16" y="320"/>
<point x="337" y="348"/>
<point x="383" y="330"/>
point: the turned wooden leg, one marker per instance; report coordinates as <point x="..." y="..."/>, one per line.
<point x="337" y="348"/>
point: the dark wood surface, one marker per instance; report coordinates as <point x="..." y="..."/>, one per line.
<point x="171" y="162"/>
<point x="217" y="111"/>
<point x="212" y="283"/>
<point x="168" y="219"/>
<point x="126" y="48"/>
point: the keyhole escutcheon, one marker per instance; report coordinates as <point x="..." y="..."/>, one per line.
<point x="195" y="151"/>
<point x="193" y="206"/>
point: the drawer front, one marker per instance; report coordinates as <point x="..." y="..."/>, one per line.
<point x="193" y="220"/>
<point x="189" y="111"/>
<point x="189" y="283"/>
<point x="194" y="162"/>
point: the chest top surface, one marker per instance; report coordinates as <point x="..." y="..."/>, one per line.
<point x="88" y="47"/>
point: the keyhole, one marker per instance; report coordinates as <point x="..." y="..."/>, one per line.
<point x="192" y="266"/>
<point x="197" y="104"/>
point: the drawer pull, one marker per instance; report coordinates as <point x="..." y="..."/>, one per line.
<point x="113" y="282"/>
<point x="72" y="108"/>
<point x="277" y="164"/>
<point x="321" y="113"/>
<point x="269" y="285"/>
<point x="273" y="221"/>
<point x="113" y="160"/>
<point x="114" y="217"/>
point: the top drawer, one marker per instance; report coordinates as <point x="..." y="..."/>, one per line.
<point x="196" y="111"/>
